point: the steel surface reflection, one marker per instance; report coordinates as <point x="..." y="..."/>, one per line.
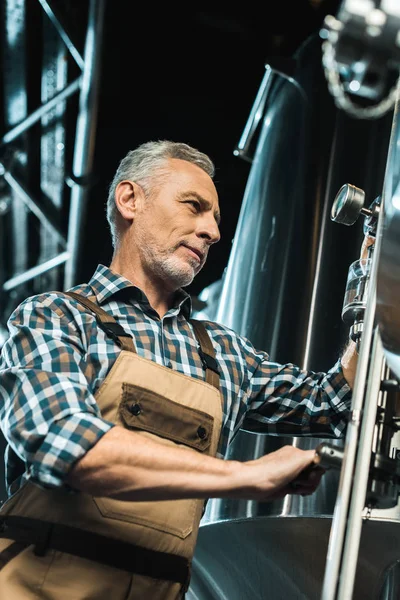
<point x="388" y="284"/>
<point x="286" y="560"/>
<point x="283" y="289"/>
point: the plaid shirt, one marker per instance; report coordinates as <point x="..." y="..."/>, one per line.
<point x="56" y="358"/>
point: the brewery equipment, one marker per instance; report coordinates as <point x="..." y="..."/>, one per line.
<point x="296" y="287"/>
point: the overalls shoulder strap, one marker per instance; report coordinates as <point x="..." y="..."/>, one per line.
<point x="125" y="340"/>
<point x="207" y="353"/>
<point x="107" y="323"/>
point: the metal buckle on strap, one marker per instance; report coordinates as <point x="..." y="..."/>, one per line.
<point x="113" y="330"/>
<point x="208" y="362"/>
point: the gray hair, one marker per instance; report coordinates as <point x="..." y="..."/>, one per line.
<point x="143" y="166"/>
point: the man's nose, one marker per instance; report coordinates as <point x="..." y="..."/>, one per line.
<point x="208" y="229"/>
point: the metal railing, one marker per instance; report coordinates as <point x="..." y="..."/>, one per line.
<point x="49" y="93"/>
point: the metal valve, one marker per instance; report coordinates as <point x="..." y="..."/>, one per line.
<point x="348" y="205"/>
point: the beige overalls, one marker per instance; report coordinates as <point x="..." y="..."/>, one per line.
<point x="61" y="546"/>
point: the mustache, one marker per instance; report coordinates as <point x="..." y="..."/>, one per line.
<point x="201" y="250"/>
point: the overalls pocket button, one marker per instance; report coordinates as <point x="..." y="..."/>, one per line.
<point x="135" y="409"/>
<point x="201" y="432"/>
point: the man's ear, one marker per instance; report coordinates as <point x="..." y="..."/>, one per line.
<point x="128" y="199"/>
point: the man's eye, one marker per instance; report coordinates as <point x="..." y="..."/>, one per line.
<point x="194" y="203"/>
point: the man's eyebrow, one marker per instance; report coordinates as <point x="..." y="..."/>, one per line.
<point x="203" y="202"/>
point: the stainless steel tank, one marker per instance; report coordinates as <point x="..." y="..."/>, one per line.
<point x="388" y="283"/>
<point x="283" y="289"/>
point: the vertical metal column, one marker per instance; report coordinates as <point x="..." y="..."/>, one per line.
<point x="41" y="239"/>
<point x="85" y="136"/>
<point x="34" y="178"/>
<point x="347" y="522"/>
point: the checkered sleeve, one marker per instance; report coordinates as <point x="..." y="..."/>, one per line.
<point x="286" y="400"/>
<point x="47" y="413"/>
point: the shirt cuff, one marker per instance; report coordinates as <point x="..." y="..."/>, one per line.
<point x="339" y="391"/>
<point x="67" y="441"/>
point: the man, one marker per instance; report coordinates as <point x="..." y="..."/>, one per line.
<point x="118" y="409"/>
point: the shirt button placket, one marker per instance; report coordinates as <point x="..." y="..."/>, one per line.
<point x="162" y="346"/>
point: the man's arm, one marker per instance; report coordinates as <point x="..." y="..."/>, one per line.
<point x="128" y="466"/>
<point x="288" y="400"/>
<point x="48" y="414"/>
<point x="52" y="422"/>
<point x="349" y="362"/>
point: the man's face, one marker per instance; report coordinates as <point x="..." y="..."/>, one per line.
<point x="176" y="226"/>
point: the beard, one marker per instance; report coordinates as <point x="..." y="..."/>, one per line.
<point x="172" y="270"/>
<point x="166" y="265"/>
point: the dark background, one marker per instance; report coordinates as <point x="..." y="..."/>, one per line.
<point x="192" y="76"/>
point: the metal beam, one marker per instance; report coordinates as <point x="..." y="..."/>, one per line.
<point x="33" y="205"/>
<point x="14" y="282"/>
<point x="34" y="117"/>
<point x="55" y="19"/>
<point x="85" y="135"/>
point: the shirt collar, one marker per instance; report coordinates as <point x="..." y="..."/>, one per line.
<point x="106" y="283"/>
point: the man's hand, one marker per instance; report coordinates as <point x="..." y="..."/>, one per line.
<point x="288" y="470"/>
<point x="128" y="466"/>
<point x="367" y="241"/>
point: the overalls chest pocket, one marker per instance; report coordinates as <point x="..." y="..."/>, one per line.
<point x="145" y="410"/>
<point x="172" y="424"/>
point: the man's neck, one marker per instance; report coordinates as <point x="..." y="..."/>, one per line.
<point x="159" y="297"/>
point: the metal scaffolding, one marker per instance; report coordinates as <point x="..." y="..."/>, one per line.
<point x="49" y="88"/>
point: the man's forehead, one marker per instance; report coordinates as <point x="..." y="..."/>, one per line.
<point x="190" y="177"/>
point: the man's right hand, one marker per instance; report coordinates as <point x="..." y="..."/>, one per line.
<point x="288" y="470"/>
<point x="128" y="466"/>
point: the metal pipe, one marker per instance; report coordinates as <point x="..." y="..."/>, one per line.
<point x="255" y="115"/>
<point x="344" y="540"/>
<point x="62" y="33"/>
<point x="32" y="204"/>
<point x="361" y="474"/>
<point x="319" y="239"/>
<point x="85" y="134"/>
<point x="38" y="114"/>
<point x="372" y="381"/>
<point x="35" y="271"/>
<point x="340" y="516"/>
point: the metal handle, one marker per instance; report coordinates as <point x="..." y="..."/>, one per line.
<point x="255" y="116"/>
